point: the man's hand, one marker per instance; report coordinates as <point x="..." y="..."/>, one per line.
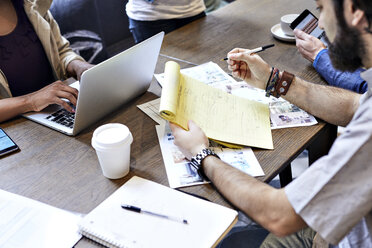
<point x="76" y="67"/>
<point x="189" y="142"/>
<point x="53" y="94"/>
<point x="248" y="67"/>
<point x="308" y="45"/>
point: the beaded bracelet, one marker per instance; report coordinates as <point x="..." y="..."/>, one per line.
<point x="273" y="79"/>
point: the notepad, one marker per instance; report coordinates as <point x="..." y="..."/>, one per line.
<point x="112" y="226"/>
<point x="223" y="117"/>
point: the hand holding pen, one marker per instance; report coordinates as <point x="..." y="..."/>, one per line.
<point x="256" y="50"/>
<point x="250" y="68"/>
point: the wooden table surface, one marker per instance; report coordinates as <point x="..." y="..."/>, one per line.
<point x="64" y="171"/>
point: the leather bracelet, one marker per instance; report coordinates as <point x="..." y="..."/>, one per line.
<point x="282" y="86"/>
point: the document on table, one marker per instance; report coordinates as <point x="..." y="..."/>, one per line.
<point x="223" y="117"/>
<point x="28" y="223"/>
<point x="283" y="114"/>
<point x="209" y="73"/>
<point x="181" y="174"/>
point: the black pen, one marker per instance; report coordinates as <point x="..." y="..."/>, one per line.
<point x="256" y="50"/>
<point x="139" y="210"/>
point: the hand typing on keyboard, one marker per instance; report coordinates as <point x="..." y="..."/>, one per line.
<point x="53" y="94"/>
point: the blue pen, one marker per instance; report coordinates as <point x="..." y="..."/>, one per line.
<point x="139" y="210"/>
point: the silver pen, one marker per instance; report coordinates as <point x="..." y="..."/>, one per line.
<point x="256" y="50"/>
<point x="139" y="210"/>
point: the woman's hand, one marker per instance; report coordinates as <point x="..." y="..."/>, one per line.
<point x="53" y="94"/>
<point x="76" y="68"/>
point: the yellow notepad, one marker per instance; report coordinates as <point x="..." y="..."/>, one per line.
<point x="222" y="116"/>
<point x="113" y="226"/>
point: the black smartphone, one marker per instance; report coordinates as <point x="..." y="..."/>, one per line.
<point x="308" y="23"/>
<point x="7" y="145"/>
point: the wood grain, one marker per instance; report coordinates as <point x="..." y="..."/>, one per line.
<point x="64" y="171"/>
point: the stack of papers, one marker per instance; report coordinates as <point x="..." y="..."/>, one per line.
<point x="28" y="223"/>
<point x="282" y="115"/>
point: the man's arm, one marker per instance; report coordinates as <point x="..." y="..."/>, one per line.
<point x="315" y="51"/>
<point x="334" y="105"/>
<point x="266" y="205"/>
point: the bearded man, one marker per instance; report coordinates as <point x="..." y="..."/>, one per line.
<point x="333" y="198"/>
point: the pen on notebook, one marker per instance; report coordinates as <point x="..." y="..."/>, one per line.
<point x="139" y="210"/>
<point x="256" y="50"/>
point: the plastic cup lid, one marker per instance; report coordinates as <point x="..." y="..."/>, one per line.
<point x="112" y="134"/>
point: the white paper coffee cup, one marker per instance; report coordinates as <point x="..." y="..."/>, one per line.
<point x="285" y="21"/>
<point x="112" y="144"/>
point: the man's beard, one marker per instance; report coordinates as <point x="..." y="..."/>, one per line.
<point x="347" y="50"/>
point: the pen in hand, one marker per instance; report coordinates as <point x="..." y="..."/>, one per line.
<point x="139" y="210"/>
<point x="256" y="50"/>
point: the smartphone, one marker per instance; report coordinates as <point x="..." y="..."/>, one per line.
<point x="308" y="23"/>
<point x="7" y="145"/>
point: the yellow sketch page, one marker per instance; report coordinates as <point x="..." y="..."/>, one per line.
<point x="222" y="116"/>
<point x="169" y="94"/>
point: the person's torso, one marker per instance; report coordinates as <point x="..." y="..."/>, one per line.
<point x="144" y="10"/>
<point x="23" y="60"/>
<point x="360" y="235"/>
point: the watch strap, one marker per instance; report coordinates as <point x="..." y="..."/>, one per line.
<point x="196" y="161"/>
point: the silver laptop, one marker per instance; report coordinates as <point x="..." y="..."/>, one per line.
<point x="104" y="87"/>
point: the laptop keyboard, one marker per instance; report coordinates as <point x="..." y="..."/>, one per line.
<point x="62" y="117"/>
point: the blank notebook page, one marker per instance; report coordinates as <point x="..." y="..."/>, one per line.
<point x="113" y="226"/>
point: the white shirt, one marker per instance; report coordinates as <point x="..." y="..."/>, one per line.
<point x="142" y="10"/>
<point x="334" y="196"/>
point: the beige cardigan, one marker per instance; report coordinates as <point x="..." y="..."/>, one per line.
<point x="55" y="45"/>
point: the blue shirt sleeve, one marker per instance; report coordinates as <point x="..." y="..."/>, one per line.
<point x="347" y="80"/>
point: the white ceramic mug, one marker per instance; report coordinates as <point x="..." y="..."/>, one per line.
<point x="285" y="21"/>
<point x="112" y="144"/>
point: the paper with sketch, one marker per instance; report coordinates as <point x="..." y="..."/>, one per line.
<point x="28" y="223"/>
<point x="181" y="174"/>
<point x="283" y="114"/>
<point x="151" y="108"/>
<point x="209" y="73"/>
<point x="222" y="116"/>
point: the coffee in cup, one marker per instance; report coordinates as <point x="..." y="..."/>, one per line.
<point x="285" y="21"/>
<point x="112" y="144"/>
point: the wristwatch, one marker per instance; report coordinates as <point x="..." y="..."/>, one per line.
<point x="198" y="158"/>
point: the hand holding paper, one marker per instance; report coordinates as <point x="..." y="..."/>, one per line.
<point x="222" y="116"/>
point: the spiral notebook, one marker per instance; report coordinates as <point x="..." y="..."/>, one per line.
<point x="111" y="225"/>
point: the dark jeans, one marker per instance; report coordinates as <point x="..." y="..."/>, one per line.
<point x="250" y="236"/>
<point x="254" y="236"/>
<point x="141" y="30"/>
<point x="301" y="239"/>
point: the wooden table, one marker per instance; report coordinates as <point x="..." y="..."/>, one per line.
<point x="64" y="171"/>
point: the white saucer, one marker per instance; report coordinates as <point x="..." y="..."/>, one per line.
<point x="277" y="32"/>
